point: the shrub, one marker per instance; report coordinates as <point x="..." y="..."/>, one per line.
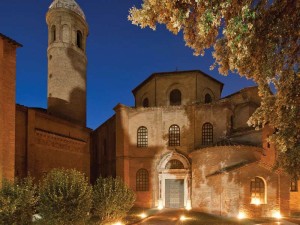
<point x="65" y="197"/>
<point x="112" y="199"/>
<point x="17" y="202"/>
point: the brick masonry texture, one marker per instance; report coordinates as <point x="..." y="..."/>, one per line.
<point x="7" y="107"/>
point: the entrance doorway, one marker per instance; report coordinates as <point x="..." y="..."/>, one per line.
<point x="174" y="181"/>
<point x="174" y="193"/>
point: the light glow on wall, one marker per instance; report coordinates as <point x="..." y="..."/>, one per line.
<point x="160" y="205"/>
<point x="188" y="205"/>
<point x="255" y="201"/>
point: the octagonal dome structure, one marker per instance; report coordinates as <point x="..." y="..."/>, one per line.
<point x="68" y="4"/>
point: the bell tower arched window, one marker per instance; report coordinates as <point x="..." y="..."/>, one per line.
<point x="207" y="134"/>
<point x="258" y="191"/>
<point x="53" y="33"/>
<point x="175" y="97"/>
<point x="142" y="180"/>
<point x="174" y="135"/>
<point x="79" y="40"/>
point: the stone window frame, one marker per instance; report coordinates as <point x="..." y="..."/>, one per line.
<point x="258" y="191"/>
<point x="142" y="180"/>
<point x="294" y="185"/>
<point x="207" y="134"/>
<point x="142" y="137"/>
<point x="174" y="135"/>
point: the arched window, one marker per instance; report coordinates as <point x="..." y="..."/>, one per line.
<point x="174" y="164"/>
<point x="53" y="33"/>
<point x="258" y="191"/>
<point x="175" y="97"/>
<point x="146" y="103"/>
<point x="174" y="135"/>
<point x="142" y="180"/>
<point x="208" y="98"/>
<point x="142" y="137"/>
<point x="79" y="39"/>
<point x="294" y="185"/>
<point x="207" y="134"/>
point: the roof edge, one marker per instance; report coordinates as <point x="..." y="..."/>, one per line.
<point x="239" y="91"/>
<point x="11" y="40"/>
<point x="174" y="72"/>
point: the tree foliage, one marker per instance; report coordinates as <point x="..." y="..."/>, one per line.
<point x="112" y="199"/>
<point x="17" y="202"/>
<point x="258" y="39"/>
<point x="65" y="197"/>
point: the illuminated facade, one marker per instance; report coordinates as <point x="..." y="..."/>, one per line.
<point x="195" y="148"/>
<point x="181" y="146"/>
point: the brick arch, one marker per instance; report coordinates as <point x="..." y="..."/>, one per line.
<point x="173" y="87"/>
<point x="174" y="156"/>
<point x="205" y="92"/>
<point x="177" y="175"/>
<point x="145" y="96"/>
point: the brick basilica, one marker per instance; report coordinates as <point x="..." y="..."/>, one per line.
<point x="180" y="146"/>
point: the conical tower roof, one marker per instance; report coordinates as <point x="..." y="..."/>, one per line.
<point x="68" y="4"/>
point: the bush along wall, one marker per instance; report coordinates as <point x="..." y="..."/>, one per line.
<point x="64" y="197"/>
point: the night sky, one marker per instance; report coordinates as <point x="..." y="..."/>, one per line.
<point x="120" y="55"/>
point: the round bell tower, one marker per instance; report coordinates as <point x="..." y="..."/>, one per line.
<point x="67" y="61"/>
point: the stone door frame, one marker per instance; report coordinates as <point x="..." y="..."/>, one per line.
<point x="183" y="174"/>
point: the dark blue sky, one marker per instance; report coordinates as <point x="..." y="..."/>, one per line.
<point x="120" y="55"/>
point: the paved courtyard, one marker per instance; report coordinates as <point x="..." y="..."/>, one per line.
<point x="172" y="217"/>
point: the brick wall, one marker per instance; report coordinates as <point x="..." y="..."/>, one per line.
<point x="295" y="200"/>
<point x="7" y="107"/>
<point x="44" y="142"/>
<point x="103" y="150"/>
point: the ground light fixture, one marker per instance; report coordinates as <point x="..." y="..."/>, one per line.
<point x="182" y="218"/>
<point x="143" y="215"/>
<point x="277" y="215"/>
<point x="160" y="205"/>
<point x="118" y="223"/>
<point x="241" y="215"/>
<point x="188" y="206"/>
